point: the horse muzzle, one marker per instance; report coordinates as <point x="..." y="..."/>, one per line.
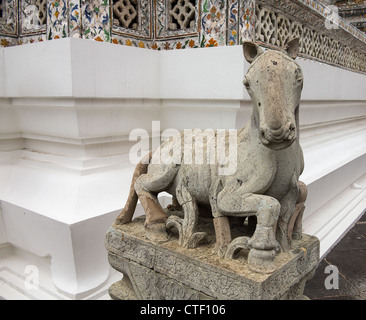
<point x="279" y="138"/>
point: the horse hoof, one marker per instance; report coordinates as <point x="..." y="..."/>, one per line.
<point x="261" y="261"/>
<point x="157" y="233"/>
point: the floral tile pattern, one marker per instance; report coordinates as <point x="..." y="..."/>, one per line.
<point x="247" y="20"/>
<point x="57" y="24"/>
<point x="96" y="22"/>
<point x="213" y="23"/>
<point x="74" y="19"/>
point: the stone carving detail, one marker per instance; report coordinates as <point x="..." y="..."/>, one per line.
<point x="275" y="29"/>
<point x="266" y="25"/>
<point x="182" y="14"/>
<point x="125" y="13"/>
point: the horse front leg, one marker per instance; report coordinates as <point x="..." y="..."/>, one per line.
<point x="263" y="242"/>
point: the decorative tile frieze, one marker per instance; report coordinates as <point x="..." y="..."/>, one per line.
<point x="57" y="24"/>
<point x="96" y="20"/>
<point x="185" y="24"/>
<point x="213" y="22"/>
<point x="247" y="19"/>
<point x="74" y="19"/>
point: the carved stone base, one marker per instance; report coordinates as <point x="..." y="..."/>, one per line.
<point x="159" y="268"/>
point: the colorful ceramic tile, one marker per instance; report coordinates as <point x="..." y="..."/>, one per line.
<point x="177" y="44"/>
<point x="74" y="19"/>
<point x="57" y="23"/>
<point x="247" y="20"/>
<point x="130" y="41"/>
<point x="233" y="23"/>
<point x="213" y="23"/>
<point x="96" y="20"/>
<point x="32" y="39"/>
<point x="8" y="42"/>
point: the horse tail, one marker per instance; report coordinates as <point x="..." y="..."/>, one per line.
<point x="129" y="209"/>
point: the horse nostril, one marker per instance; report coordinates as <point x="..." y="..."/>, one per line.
<point x="263" y="136"/>
<point x="291" y="131"/>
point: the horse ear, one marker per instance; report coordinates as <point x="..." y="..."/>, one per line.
<point x="292" y="47"/>
<point x="251" y="51"/>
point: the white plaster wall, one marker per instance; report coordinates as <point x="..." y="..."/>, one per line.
<point x="28" y="69"/>
<point x="203" y="74"/>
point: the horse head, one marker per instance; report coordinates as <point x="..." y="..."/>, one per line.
<point x="274" y="82"/>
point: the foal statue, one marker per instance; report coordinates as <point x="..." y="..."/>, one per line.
<point x="266" y="181"/>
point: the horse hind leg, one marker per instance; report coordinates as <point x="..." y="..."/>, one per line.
<point x="147" y="186"/>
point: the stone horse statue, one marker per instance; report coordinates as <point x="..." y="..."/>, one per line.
<point x="266" y="182"/>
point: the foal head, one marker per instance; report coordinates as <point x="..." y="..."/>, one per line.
<point x="274" y="82"/>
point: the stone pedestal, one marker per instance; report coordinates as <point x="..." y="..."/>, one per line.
<point x="157" y="267"/>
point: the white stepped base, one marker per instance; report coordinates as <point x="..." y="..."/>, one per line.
<point x="15" y="284"/>
<point x="335" y="218"/>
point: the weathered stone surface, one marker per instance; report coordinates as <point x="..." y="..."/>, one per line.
<point x="166" y="270"/>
